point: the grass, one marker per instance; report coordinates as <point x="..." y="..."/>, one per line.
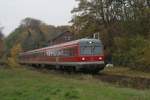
<point x="23" y="84"/>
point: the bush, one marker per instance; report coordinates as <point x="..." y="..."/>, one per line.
<point x="133" y="52"/>
<point x="12" y="63"/>
<point x="13" y="60"/>
<point x="144" y="60"/>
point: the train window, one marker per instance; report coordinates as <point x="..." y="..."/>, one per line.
<point x="51" y="53"/>
<point x="65" y="52"/>
<point x="62" y="52"/>
<point x="98" y="50"/>
<point x="86" y="50"/>
<point x="44" y="53"/>
<point x="72" y="51"/>
<point x="69" y="51"/>
<point x="90" y="50"/>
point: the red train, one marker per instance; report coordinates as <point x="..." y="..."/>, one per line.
<point x="79" y="55"/>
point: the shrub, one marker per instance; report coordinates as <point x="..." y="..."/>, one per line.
<point x="144" y="60"/>
<point x="133" y="52"/>
<point x="12" y="61"/>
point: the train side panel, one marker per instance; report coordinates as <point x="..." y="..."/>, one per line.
<point x="87" y="53"/>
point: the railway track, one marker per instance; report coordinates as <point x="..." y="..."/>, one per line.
<point x="125" y="81"/>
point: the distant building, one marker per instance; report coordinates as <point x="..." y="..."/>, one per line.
<point x="62" y="37"/>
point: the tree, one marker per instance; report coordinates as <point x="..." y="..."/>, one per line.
<point x="32" y="34"/>
<point x="1" y="42"/>
<point x="118" y="22"/>
<point x="117" y="17"/>
<point x="13" y="59"/>
<point x="31" y="23"/>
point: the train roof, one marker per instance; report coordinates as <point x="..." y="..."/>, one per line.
<point x="63" y="44"/>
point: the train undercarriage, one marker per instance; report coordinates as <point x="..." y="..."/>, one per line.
<point x="79" y="67"/>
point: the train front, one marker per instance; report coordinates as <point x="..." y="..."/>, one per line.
<point x="91" y="55"/>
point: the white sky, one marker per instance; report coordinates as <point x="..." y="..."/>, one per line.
<point x="54" y="12"/>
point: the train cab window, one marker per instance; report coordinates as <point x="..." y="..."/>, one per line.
<point x="90" y="50"/>
<point x="86" y="50"/>
<point x="98" y="50"/>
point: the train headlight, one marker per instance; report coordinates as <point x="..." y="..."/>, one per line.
<point x="83" y="58"/>
<point x="90" y="42"/>
<point x="100" y="58"/>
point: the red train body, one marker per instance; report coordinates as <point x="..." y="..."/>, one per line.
<point x="83" y="54"/>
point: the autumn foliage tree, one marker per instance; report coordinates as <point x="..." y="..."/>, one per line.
<point x="32" y="34"/>
<point x="13" y="59"/>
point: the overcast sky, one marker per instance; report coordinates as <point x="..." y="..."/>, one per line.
<point x="54" y="12"/>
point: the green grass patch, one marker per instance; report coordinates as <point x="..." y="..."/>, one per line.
<point x="22" y="84"/>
